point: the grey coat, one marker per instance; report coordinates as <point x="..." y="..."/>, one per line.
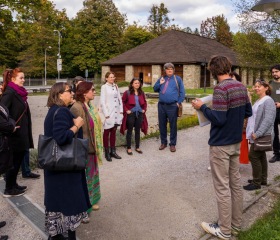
<point x="265" y="117"/>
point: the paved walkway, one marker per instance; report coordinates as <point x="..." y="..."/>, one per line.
<point x="156" y="195"/>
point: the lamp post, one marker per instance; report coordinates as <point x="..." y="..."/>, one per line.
<point x="46" y="64"/>
<point x="59" y="60"/>
<point x="204" y="64"/>
<point x="267" y="6"/>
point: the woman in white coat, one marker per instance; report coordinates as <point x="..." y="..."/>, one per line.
<point x="112" y="108"/>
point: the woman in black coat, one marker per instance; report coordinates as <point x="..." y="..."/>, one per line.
<point x="66" y="194"/>
<point x="15" y="99"/>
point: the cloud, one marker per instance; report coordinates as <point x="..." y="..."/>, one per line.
<point x="187" y="13"/>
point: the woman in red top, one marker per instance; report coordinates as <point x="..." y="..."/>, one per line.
<point x="135" y="106"/>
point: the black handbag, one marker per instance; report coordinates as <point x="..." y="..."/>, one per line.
<point x="263" y="143"/>
<point x="68" y="157"/>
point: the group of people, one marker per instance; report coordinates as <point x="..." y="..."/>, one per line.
<point x="230" y="108"/>
<point x="70" y="196"/>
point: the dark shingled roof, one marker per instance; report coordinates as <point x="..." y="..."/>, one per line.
<point x="176" y="47"/>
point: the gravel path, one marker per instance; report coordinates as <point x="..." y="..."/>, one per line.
<point x="156" y="195"/>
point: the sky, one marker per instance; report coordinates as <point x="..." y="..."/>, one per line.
<point x="186" y="13"/>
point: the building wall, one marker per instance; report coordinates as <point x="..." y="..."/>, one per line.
<point x="191" y="76"/>
<point x="104" y="70"/>
<point x="129" y="73"/>
<point x="156" y="73"/>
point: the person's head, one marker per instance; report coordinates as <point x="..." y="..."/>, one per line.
<point x="85" y="92"/>
<point x="110" y="77"/>
<point x="235" y="75"/>
<point x="13" y="75"/>
<point x="275" y="72"/>
<point x="219" y="65"/>
<point x="262" y="88"/>
<point x="169" y="69"/>
<point x="76" y="81"/>
<point x="135" y="84"/>
<point x="60" y="94"/>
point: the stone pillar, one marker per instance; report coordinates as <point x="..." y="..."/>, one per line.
<point x="251" y="77"/>
<point x="129" y="73"/>
<point x="191" y="76"/>
<point x="156" y="73"/>
<point x="104" y="70"/>
<point x="244" y="76"/>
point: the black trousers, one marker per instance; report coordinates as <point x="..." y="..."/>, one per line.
<point x="276" y="144"/>
<point x="11" y="175"/>
<point x="133" y="121"/>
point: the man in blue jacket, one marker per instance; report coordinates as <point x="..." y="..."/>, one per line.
<point x="230" y="107"/>
<point x="171" y="95"/>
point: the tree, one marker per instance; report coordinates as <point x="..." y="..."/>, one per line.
<point x="35" y="22"/>
<point x="136" y="35"/>
<point x="96" y="35"/>
<point x="8" y="39"/>
<point x="267" y="24"/>
<point x="217" y="28"/>
<point x="253" y="50"/>
<point x="158" y="20"/>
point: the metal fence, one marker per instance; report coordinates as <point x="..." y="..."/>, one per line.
<point x="51" y="81"/>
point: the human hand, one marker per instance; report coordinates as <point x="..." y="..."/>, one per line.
<point x="197" y="103"/>
<point x="254" y="137"/>
<point x="78" y="122"/>
<point x="128" y="111"/>
<point x="143" y="111"/>
<point x="277" y="104"/>
<point x="161" y="81"/>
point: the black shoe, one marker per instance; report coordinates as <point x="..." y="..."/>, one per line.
<point x="274" y="159"/>
<point x="4" y="237"/>
<point x="251" y="187"/>
<point x="107" y="155"/>
<point x="129" y="153"/>
<point x="13" y="193"/>
<point x="23" y="188"/>
<point x="32" y="176"/>
<point x="262" y="183"/>
<point x="114" y="154"/>
<point x="2" y="224"/>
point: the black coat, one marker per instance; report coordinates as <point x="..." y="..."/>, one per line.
<point x="21" y="139"/>
<point x="65" y="192"/>
<point x="7" y="126"/>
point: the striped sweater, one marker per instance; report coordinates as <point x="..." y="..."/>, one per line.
<point x="230" y="106"/>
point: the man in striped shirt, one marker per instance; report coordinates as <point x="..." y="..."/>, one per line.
<point x="230" y="107"/>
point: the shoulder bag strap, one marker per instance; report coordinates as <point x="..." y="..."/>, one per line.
<point x="22" y="114"/>
<point x="177" y="85"/>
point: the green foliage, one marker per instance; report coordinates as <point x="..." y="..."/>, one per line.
<point x="136" y="35"/>
<point x="96" y="34"/>
<point x="33" y="159"/>
<point x="200" y="91"/>
<point x="217" y="28"/>
<point x="267" y="227"/>
<point x="158" y="20"/>
<point x="253" y="50"/>
<point x="182" y="123"/>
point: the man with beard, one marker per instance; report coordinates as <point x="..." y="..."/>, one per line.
<point x="275" y="94"/>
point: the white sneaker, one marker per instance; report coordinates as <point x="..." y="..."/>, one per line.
<point x="214" y="229"/>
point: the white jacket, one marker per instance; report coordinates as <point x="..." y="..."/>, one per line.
<point x="111" y="105"/>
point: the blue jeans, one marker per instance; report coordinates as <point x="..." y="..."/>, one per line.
<point x="168" y="112"/>
<point x="25" y="169"/>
